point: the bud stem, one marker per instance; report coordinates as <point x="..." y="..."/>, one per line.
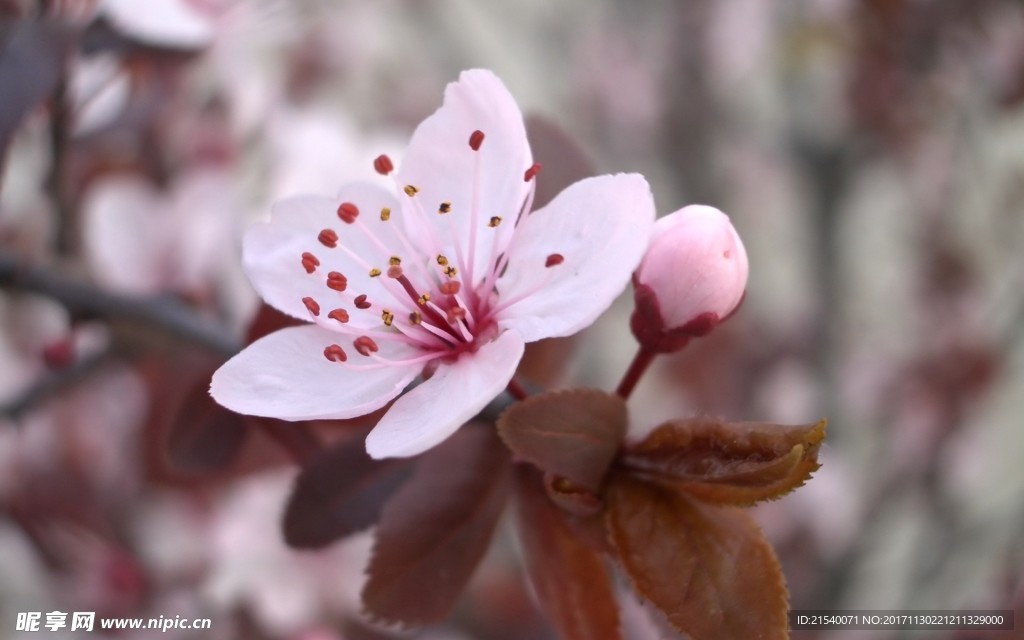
<point x="643" y="358"/>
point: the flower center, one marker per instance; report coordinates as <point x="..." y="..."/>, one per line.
<point x="418" y="293"/>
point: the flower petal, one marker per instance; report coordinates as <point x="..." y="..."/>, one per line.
<point x="592" y="235"/>
<point x="285" y="375"/>
<point x="272" y="254"/>
<point x="431" y="412"/>
<point x="441" y="165"/>
<point x="169" y="23"/>
<point x="125" y="244"/>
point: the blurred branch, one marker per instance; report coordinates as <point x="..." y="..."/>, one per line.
<point x="53" y="384"/>
<point x="164" y="313"/>
<point x="56" y="181"/>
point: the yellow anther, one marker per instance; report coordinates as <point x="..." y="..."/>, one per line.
<point x="395" y="261"/>
<point x="445" y="207"/>
<point x="387" y="317"/>
<point x="495" y="221"/>
<point x="451" y="272"/>
<point x="443" y="261"/>
<point x="411" y="190"/>
<point x="415" y="318"/>
<point x="385" y="214"/>
<point x="425" y="298"/>
<point x="374" y="272"/>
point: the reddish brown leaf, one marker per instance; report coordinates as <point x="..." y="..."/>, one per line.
<point x="572" y="498"/>
<point x="268" y="320"/>
<point x="341" y="491"/>
<point x="574" y="434"/>
<point x="570" y="578"/>
<point x="436" y="528"/>
<point x="708" y="568"/>
<point x="203" y="436"/>
<point x="735" y="463"/>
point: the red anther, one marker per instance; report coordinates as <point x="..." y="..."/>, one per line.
<point x="328" y="238"/>
<point x="365" y="345"/>
<point x="312" y="305"/>
<point x="450" y="288"/>
<point x="553" y="259"/>
<point x="361" y="302"/>
<point x="476" y="139"/>
<point x="455" y="314"/>
<point x="395" y="271"/>
<point x="337" y="281"/>
<point x="348" y="212"/>
<point x="335" y="353"/>
<point x="338" y="314"/>
<point x="383" y="165"/>
<point x="309" y="262"/>
<point x="532" y="172"/>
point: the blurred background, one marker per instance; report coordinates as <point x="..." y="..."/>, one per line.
<point x="870" y="152"/>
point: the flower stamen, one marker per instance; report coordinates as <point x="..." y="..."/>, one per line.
<point x="335" y="353"/>
<point x="309" y="262"/>
<point x="311" y="305"/>
<point x="348" y="212"/>
<point x="383" y="165"/>
<point x="328" y="238"/>
<point x="337" y="281"/>
<point x="532" y="172"/>
<point x="476" y="139"/>
<point x="365" y="345"/>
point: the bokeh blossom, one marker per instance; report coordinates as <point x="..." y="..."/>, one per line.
<point x="447" y="276"/>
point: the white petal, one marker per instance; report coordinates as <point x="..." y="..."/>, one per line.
<point x="123" y="235"/>
<point x="206" y="211"/>
<point x="272" y="254"/>
<point x="285" y="375"/>
<point x="431" y="412"/>
<point x="600" y="227"/>
<point x="100" y="88"/>
<point x="440" y="163"/>
<point x="169" y="23"/>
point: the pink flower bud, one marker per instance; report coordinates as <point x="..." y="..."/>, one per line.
<point x="692" y="277"/>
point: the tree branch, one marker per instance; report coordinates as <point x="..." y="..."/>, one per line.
<point x="165" y="313"/>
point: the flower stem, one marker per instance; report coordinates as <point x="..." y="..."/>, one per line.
<point x="643" y="358"/>
<point x="516" y="390"/>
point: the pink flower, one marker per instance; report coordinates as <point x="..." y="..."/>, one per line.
<point x="448" y="275"/>
<point x="692" y="277"/>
